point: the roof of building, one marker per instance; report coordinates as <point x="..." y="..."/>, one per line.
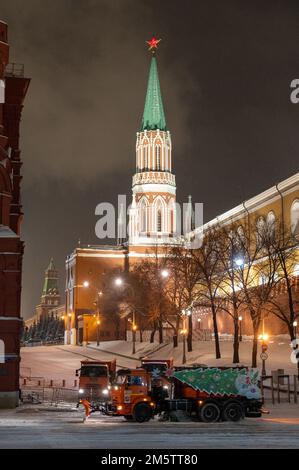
<point x="254" y="203"/>
<point x="153" y="114"/>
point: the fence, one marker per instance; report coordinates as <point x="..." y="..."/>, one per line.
<point x="51" y="396"/>
<point x="279" y="388"/>
<point x="198" y="335"/>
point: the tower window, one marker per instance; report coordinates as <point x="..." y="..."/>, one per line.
<point x="158" y="157"/>
<point x="159" y="220"/>
<point x="143" y="218"/>
<point x="145" y="162"/>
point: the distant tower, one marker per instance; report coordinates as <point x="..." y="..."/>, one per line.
<point x="152" y="216"/>
<point x="50" y="294"/>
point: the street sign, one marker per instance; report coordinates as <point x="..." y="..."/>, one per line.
<point x="264" y="356"/>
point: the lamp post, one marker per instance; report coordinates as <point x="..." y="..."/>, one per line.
<point x="86" y="284"/>
<point x="264" y="356"/>
<point x="295" y="323"/>
<point x="184" y="333"/>
<point x="119" y="282"/>
<point x="240" y="327"/>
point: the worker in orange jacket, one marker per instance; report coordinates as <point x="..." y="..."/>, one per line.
<point x="87" y="407"/>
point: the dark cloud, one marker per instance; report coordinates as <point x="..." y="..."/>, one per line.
<point x="225" y="70"/>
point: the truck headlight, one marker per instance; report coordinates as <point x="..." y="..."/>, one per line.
<point x="81" y="391"/>
<point x="105" y="391"/>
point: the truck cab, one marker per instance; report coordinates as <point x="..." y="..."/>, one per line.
<point x="130" y="395"/>
<point x="95" y="378"/>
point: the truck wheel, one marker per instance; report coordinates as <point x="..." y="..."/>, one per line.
<point x="142" y="413"/>
<point x="209" y="413"/>
<point x="233" y="412"/>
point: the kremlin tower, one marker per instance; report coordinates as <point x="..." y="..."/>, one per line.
<point x="152" y="217"/>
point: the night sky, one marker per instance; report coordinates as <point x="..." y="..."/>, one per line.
<point x="225" y="71"/>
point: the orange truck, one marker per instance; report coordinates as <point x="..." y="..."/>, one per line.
<point x="211" y="394"/>
<point x="95" y="378"/>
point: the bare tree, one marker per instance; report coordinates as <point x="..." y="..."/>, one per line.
<point x="182" y="266"/>
<point x="256" y="272"/>
<point x="284" y="300"/>
<point x="210" y="276"/>
<point x="150" y="270"/>
<point x="230" y="289"/>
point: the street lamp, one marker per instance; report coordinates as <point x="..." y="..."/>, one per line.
<point x="240" y="327"/>
<point x="119" y="282"/>
<point x="164" y="273"/>
<point x="184" y="332"/>
<point x="239" y="262"/>
<point x="295" y="323"/>
<point x="98" y="331"/>
<point x="86" y="284"/>
<point x="264" y="337"/>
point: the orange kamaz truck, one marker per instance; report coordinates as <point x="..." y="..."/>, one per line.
<point x="210" y="394"/>
<point x="95" y="378"/>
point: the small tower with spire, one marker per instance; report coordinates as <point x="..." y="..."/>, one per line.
<point x="50" y="298"/>
<point x="152" y="216"/>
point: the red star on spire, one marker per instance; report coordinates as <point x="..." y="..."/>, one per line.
<point x="153" y="44"/>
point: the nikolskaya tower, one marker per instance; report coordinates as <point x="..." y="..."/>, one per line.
<point x="152" y="217"/>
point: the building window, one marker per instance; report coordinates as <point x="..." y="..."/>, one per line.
<point x="295" y="218"/>
<point x="271" y="219"/>
<point x="260" y="231"/>
<point x="159" y="220"/>
<point x="143" y="217"/>
<point x="158" y="157"/>
<point x="145" y="158"/>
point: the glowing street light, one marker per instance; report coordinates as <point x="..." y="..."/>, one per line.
<point x="164" y="273"/>
<point x="240" y="327"/>
<point x="118" y="281"/>
<point x="264" y="337"/>
<point x="85" y="284"/>
<point x="239" y="262"/>
<point x="295" y="323"/>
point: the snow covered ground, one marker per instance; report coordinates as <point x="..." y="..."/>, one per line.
<point x="33" y="429"/>
<point x="60" y="362"/>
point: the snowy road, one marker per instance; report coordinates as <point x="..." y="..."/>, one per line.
<point x="66" y="430"/>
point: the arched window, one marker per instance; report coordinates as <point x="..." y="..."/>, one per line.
<point x="260" y="231"/>
<point x="145" y="157"/>
<point x="271" y="219"/>
<point x="143" y="217"/>
<point x="295" y="217"/>
<point x="158" y="157"/>
<point x="159" y="220"/>
<point x="296" y="270"/>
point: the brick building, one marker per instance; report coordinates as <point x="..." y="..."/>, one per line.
<point x="13" y="89"/>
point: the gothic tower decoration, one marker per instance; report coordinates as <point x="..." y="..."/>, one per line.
<point x="152" y="215"/>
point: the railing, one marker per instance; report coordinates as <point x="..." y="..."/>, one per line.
<point x="279" y="389"/>
<point x="49" y="396"/>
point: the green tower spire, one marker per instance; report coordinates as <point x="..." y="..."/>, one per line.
<point x="51" y="279"/>
<point x="153" y="114"/>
